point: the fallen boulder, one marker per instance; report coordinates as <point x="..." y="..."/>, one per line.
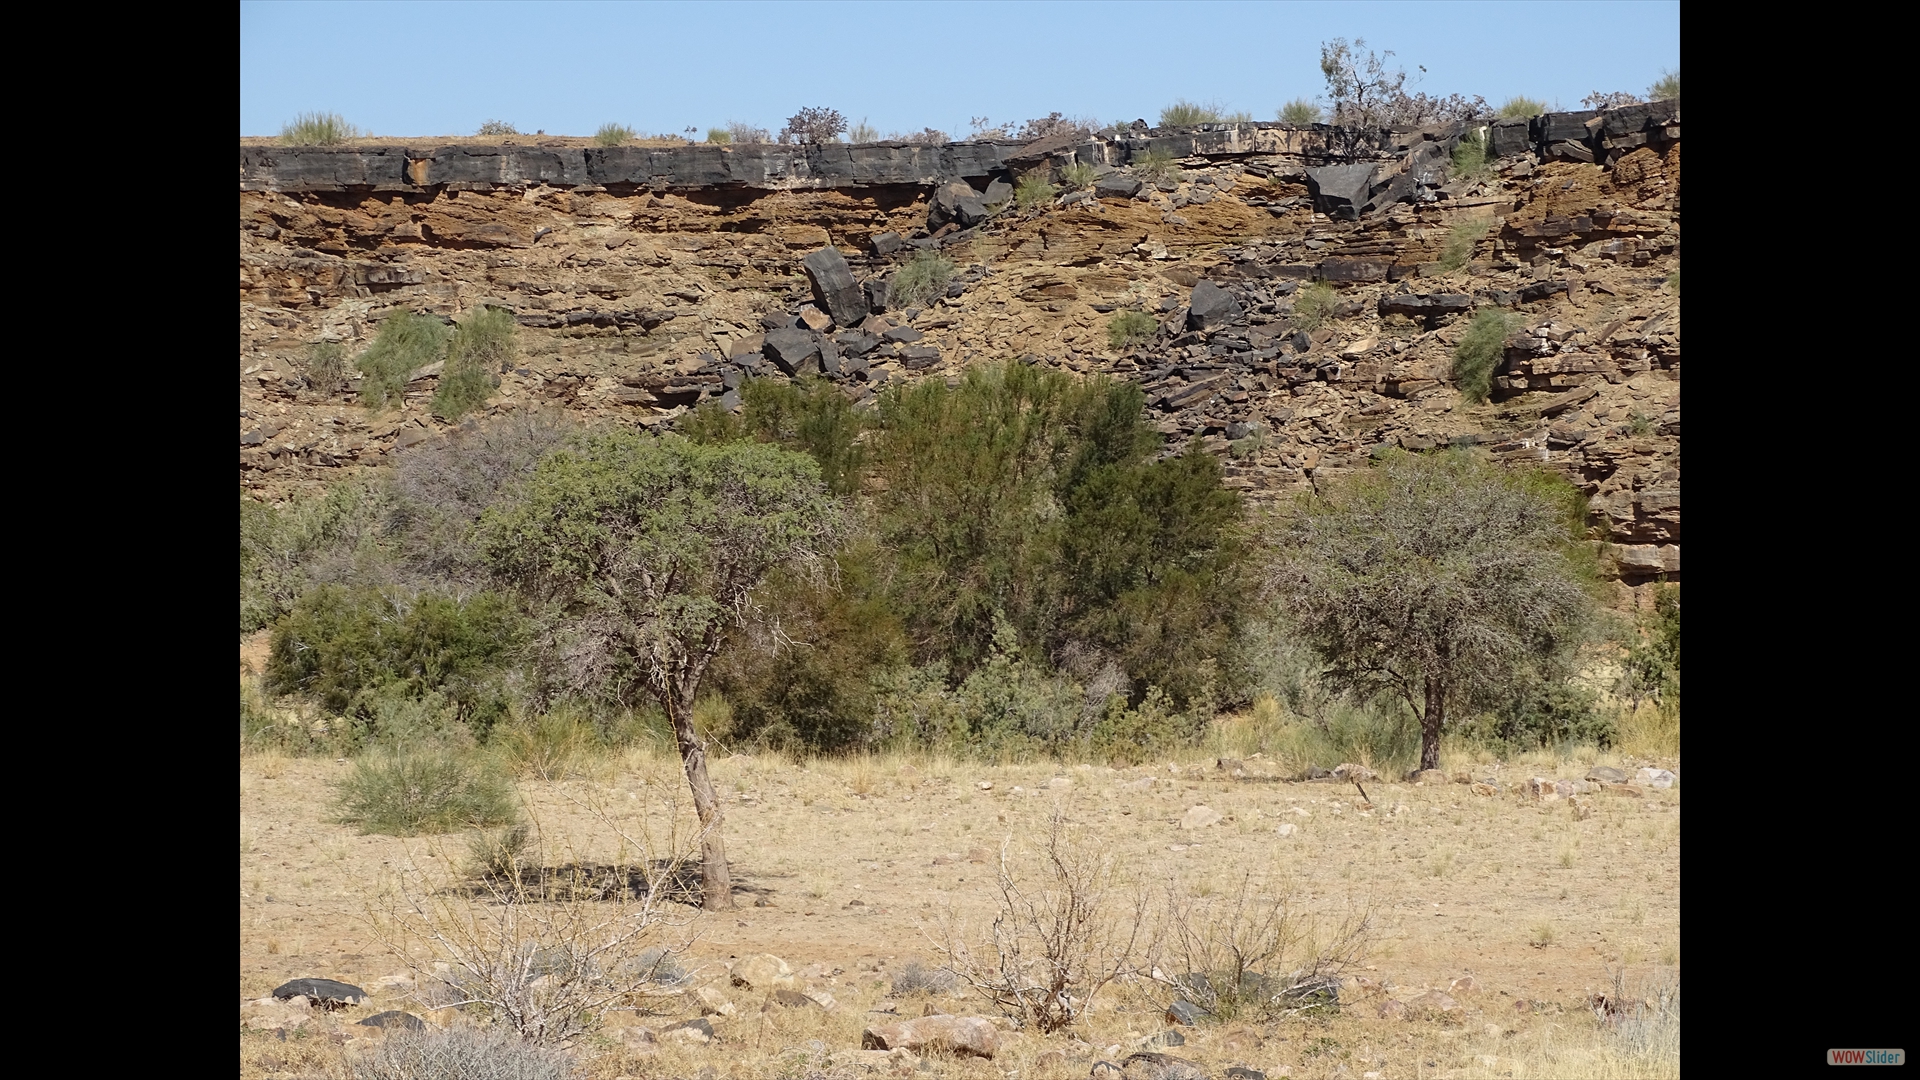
<point x="1211" y="307"/>
<point x="834" y="287"/>
<point x="323" y="993"/>
<point x="956" y="203"/>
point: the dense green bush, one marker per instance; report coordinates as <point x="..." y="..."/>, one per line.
<point x="1024" y="494"/>
<point x="404" y="344"/>
<point x="1149" y="730"/>
<point x="1480" y="351"/>
<point x="1521" y="108"/>
<point x="425" y="790"/>
<point x="1653" y="662"/>
<point x="810" y="415"/>
<point x="1666" y="88"/>
<point x="1543" y="713"/>
<point x="484" y="346"/>
<point x="360" y="652"/>
<point x="923" y="278"/>
<point x="497" y="127"/>
<point x="817" y="692"/>
<point x="1155" y="569"/>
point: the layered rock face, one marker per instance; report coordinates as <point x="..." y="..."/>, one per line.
<point x="647" y="281"/>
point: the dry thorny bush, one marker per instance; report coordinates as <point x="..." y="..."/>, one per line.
<point x="1253" y="950"/>
<point x="1056" y="942"/>
<point x="545" y="951"/>
<point x="1053" y="945"/>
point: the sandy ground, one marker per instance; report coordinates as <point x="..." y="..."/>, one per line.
<point x="1533" y="903"/>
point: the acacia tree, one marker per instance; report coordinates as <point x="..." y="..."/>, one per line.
<point x="649" y="549"/>
<point x="1435" y="579"/>
<point x="1366" y="94"/>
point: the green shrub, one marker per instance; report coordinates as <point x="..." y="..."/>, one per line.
<point x="719" y="136"/>
<point x="1673" y="282"/>
<point x="811" y="416"/>
<point x="1469" y="159"/>
<point x="498" y="854"/>
<point x="1667" y="88"/>
<point x="863" y="132"/>
<point x="1025" y="495"/>
<point x="326" y="372"/>
<point x="358" y="651"/>
<point x="1078" y="175"/>
<point x="923" y="278"/>
<point x="1521" y="108"/>
<point x="1156" y="167"/>
<point x="613" y="135"/>
<point x="429" y="790"/>
<point x="1314" y="307"/>
<point x="1007" y="706"/>
<point x="1543" y="713"/>
<point x="1480" y="352"/>
<point x="1184" y="113"/>
<point x="1129" y="736"/>
<point x="1653" y="662"/>
<point x="497" y="127"/>
<point x="483" y="346"/>
<point x="318" y="129"/>
<point x="1033" y="190"/>
<point x="1129" y="328"/>
<point x="405" y="343"/>
<point x="1300" y="112"/>
<point x="1457" y="249"/>
<point x="285" y="551"/>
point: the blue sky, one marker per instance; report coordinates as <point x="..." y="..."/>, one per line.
<point x="422" y="69"/>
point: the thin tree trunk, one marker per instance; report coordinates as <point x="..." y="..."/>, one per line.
<point x="1430" y="722"/>
<point x="716" y="881"/>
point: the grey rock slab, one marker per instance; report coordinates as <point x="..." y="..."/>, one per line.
<point x="324" y="992"/>
<point x="1340" y="190"/>
<point x="791" y="349"/>
<point x="834" y="288"/>
<point x="1211" y="307"/>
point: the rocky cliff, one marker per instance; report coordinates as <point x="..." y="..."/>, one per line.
<point x="647" y="279"/>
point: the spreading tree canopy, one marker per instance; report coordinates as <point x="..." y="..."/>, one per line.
<point x="650" y="548"/>
<point x="1437" y="579"/>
